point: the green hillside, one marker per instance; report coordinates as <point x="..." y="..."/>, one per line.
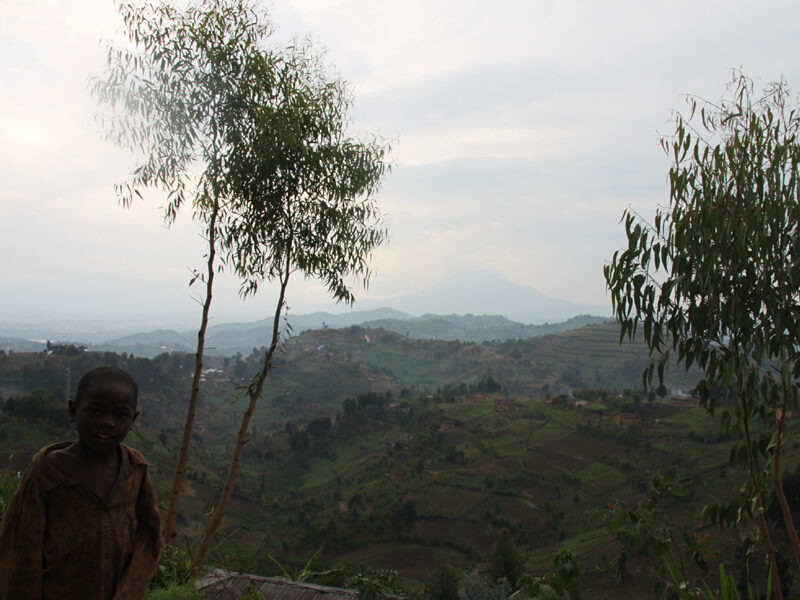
<point x="401" y="453"/>
<point x="586" y="357"/>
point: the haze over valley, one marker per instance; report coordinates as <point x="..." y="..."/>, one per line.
<point x="469" y="306"/>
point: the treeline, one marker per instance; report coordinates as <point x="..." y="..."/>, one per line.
<point x="410" y="410"/>
<point x="47" y="370"/>
<point x="48" y="409"/>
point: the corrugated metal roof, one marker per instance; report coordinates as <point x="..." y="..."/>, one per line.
<point x="228" y="585"/>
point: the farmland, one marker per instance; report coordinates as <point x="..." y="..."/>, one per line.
<point x="406" y="454"/>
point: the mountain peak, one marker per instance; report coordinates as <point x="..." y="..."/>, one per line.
<point x="488" y="293"/>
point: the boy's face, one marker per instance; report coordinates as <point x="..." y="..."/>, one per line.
<point x="104" y="416"/>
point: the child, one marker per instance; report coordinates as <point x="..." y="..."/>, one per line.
<point x="84" y="522"/>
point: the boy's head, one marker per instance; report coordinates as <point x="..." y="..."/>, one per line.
<point x="104" y="408"/>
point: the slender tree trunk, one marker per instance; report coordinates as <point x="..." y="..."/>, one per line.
<point x="778" y="480"/>
<point x="171" y="532"/>
<point x="254" y="393"/>
<point x="760" y="510"/>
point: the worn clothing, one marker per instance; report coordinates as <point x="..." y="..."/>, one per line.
<point x="59" y="540"/>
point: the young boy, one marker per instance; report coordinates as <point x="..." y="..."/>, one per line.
<point x="84" y="522"/>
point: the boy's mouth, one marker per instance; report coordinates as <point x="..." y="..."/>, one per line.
<point x="104" y="436"/>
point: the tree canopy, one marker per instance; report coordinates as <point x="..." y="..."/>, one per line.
<point x="182" y="92"/>
<point x="255" y="137"/>
<point x="308" y="204"/>
<point x="506" y="560"/>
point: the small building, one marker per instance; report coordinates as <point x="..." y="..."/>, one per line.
<point x="505" y="405"/>
<point x="627" y="418"/>
<point x="682" y="399"/>
<point x="559" y="399"/>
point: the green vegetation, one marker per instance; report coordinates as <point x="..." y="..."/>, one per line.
<point x="183" y="591"/>
<point x="8" y="485"/>
<point x="506" y="561"/>
<point x="399" y="478"/>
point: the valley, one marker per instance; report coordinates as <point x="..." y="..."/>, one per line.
<point x="407" y="454"/>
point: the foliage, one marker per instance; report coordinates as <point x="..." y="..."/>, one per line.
<point x="647" y="529"/>
<point x="506" y="560"/>
<point x="39" y="407"/>
<point x="713" y="280"/>
<point x="174" y="568"/>
<point x="184" y="591"/>
<point x="66" y="349"/>
<point x="726" y="591"/>
<point x="476" y="587"/>
<point x="325" y="222"/>
<point x="444" y="582"/>
<point x="185" y="86"/>
<point x="8" y="486"/>
<point x="562" y="583"/>
<point x="304" y="574"/>
<point x="373" y="583"/>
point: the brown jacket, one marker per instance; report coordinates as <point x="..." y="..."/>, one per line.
<point x="58" y="539"/>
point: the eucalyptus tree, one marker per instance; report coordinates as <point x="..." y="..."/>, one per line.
<point x="326" y="223"/>
<point x="256" y="140"/>
<point x="183" y="90"/>
<point x="714" y="280"/>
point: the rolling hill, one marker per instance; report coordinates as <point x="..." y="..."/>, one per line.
<point x="400" y="452"/>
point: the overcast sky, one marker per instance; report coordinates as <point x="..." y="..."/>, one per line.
<point x="523" y="129"/>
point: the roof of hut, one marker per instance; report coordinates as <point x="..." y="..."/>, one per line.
<point x="228" y="585"/>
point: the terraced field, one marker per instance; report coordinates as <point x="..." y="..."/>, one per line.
<point x="427" y="468"/>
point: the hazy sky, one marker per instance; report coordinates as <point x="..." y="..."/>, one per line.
<point x="523" y="130"/>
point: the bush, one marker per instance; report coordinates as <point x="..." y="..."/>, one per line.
<point x="8" y="486"/>
<point x="185" y="591"/>
<point x="476" y="587"/>
<point x="443" y="583"/>
<point x="172" y="572"/>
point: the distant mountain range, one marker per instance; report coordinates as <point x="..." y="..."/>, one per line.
<point x="487" y="293"/>
<point x="228" y="339"/>
<point x="472" y="306"/>
<point x="471" y="328"/>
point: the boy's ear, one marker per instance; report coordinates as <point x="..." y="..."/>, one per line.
<point x="135" y="414"/>
<point x="71" y="407"/>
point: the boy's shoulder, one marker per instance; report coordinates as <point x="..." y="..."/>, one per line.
<point x="40" y="459"/>
<point x="40" y="474"/>
<point x="134" y="456"/>
<point x="49" y="475"/>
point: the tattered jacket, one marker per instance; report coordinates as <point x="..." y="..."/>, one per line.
<point x="59" y="540"/>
